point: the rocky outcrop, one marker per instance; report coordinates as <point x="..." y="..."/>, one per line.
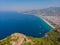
<point x="15" y="39"/>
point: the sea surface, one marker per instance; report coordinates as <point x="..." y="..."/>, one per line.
<point x="28" y="24"/>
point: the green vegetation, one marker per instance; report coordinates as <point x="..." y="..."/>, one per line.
<point x="51" y="38"/>
<point x="6" y="41"/>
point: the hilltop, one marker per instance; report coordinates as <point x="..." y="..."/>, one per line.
<point x="15" y="39"/>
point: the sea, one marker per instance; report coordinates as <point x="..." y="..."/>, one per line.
<point x="27" y="24"/>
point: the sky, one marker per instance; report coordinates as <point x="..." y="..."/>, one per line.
<point x="24" y="5"/>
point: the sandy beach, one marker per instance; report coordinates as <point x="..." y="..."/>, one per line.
<point x="46" y="21"/>
<point x="54" y="19"/>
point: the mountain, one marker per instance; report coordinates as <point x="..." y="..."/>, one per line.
<point x="51" y="11"/>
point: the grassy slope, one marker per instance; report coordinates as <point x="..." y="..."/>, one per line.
<point x="51" y="38"/>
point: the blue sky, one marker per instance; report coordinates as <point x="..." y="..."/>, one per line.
<point x="24" y="5"/>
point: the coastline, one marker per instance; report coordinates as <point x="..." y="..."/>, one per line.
<point x="46" y="22"/>
<point x="43" y="20"/>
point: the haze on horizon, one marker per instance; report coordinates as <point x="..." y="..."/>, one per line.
<point x="24" y="5"/>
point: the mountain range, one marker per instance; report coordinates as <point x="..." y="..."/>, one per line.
<point x="51" y="11"/>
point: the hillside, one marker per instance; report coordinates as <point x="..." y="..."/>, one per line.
<point x="51" y="38"/>
<point x="51" y="11"/>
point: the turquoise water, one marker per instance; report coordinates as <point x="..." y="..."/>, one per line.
<point x="30" y="25"/>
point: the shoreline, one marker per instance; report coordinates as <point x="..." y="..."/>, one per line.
<point x="43" y="20"/>
<point x="46" y="22"/>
